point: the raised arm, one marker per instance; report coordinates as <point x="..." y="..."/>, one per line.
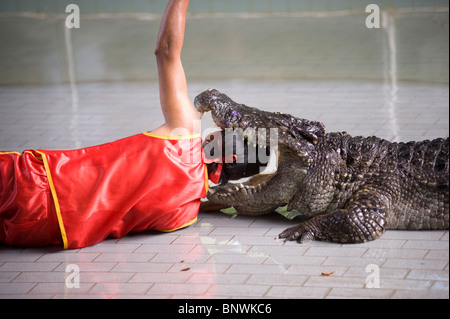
<point x="177" y="109"/>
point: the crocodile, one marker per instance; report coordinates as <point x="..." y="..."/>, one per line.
<point x="350" y="189"/>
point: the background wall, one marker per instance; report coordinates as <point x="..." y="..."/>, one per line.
<point x="232" y="39"/>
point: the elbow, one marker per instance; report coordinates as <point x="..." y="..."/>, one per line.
<point x="161" y="50"/>
<point x="167" y="50"/>
<point x="164" y="52"/>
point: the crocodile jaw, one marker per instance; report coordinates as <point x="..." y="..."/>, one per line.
<point x="267" y="191"/>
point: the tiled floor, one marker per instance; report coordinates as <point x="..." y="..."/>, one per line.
<point x="232" y="258"/>
<point x="221" y="257"/>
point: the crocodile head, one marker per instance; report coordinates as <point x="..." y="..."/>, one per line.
<point x="292" y="141"/>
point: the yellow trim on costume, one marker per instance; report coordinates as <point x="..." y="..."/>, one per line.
<point x="184" y="226"/>
<point x="167" y="137"/>
<point x="34" y="155"/>
<point x="7" y="153"/>
<point x="206" y="180"/>
<point x="55" y="200"/>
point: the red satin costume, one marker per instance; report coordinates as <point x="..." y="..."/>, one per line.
<point x="80" y="197"/>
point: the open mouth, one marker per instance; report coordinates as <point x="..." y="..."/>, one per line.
<point x="249" y="185"/>
<point x="264" y="185"/>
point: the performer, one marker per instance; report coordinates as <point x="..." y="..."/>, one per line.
<point x="153" y="180"/>
<point x="149" y="181"/>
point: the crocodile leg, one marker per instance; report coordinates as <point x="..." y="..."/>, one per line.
<point x="363" y="219"/>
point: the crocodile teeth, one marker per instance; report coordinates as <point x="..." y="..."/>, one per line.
<point x="251" y="189"/>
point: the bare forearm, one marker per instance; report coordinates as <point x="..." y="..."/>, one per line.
<point x="177" y="109"/>
<point x="171" y="32"/>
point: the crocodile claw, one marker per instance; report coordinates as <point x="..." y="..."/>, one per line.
<point x="302" y="233"/>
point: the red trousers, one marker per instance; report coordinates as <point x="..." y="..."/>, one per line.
<point x="80" y="197"/>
